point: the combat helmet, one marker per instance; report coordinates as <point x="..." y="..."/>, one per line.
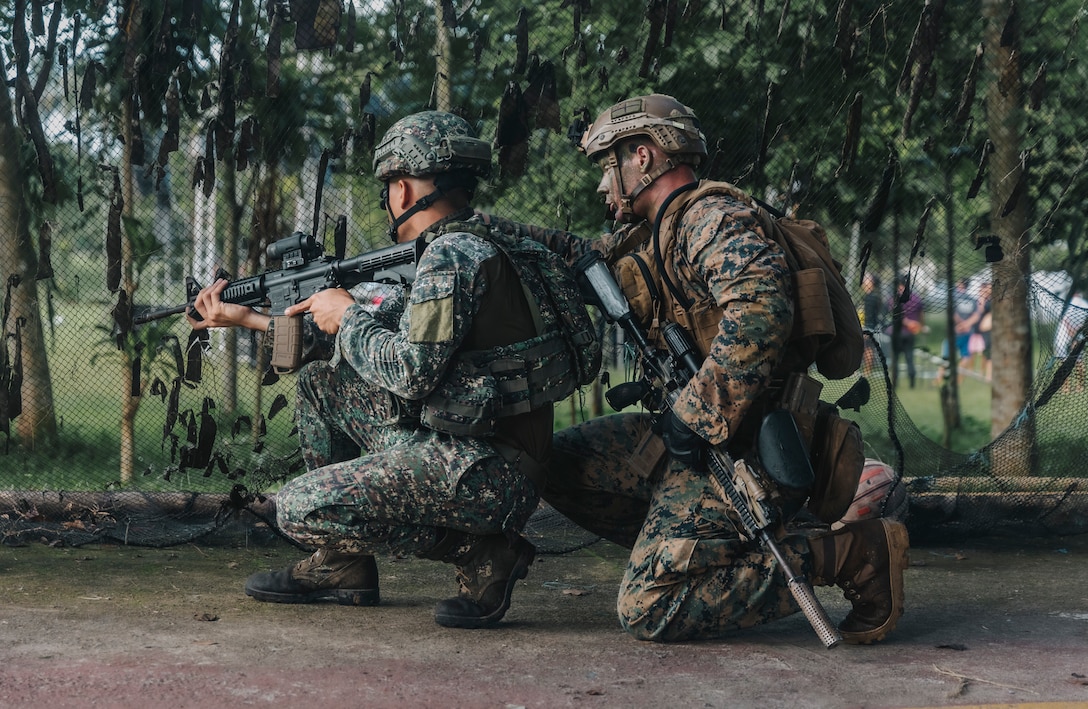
<point x="671" y="125"/>
<point x="431" y="144"/>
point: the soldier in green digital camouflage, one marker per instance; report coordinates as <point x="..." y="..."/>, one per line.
<point x="639" y="483"/>
<point x="427" y="431"/>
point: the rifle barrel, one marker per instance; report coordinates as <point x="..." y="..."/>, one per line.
<point x="829" y="635"/>
<point x="159" y="314"/>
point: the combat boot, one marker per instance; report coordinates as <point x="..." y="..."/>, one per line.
<point x="349" y="579"/>
<point x="866" y="560"/>
<point x="487" y="569"/>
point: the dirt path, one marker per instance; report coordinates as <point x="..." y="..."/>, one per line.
<point x="127" y="627"/>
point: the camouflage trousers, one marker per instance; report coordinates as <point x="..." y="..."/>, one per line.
<point x="690" y="574"/>
<point x="378" y="483"/>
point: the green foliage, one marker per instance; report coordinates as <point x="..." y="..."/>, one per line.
<point x="772" y="83"/>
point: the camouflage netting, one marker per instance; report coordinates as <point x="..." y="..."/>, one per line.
<point x="938" y="142"/>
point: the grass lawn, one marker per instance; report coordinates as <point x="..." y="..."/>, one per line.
<point x="87" y="378"/>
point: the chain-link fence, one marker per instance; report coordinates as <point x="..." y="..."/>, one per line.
<point x="147" y="142"/>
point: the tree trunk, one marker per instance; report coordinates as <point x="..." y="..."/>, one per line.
<point x="950" y="387"/>
<point x="442" y="63"/>
<point x="229" y="400"/>
<point x="130" y="392"/>
<point x="1011" y="409"/>
<point x="130" y="385"/>
<point x="36" y="425"/>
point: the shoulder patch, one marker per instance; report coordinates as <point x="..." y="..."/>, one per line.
<point x="430" y="317"/>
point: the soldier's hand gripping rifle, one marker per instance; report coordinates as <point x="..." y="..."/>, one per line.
<point x="670" y="373"/>
<point x="304" y="270"/>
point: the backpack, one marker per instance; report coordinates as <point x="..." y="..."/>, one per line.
<point x="554" y="286"/>
<point x="826" y="324"/>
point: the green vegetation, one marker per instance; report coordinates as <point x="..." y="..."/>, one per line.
<point x="805" y="105"/>
<point x="85" y="455"/>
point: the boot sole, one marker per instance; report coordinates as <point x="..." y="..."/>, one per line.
<point x="343" y="596"/>
<point x="898" y="546"/>
<point x="520" y="571"/>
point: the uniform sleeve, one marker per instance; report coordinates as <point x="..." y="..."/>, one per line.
<point x="384" y="302"/>
<point x="746" y="274"/>
<point x="569" y="246"/>
<point x="411" y="359"/>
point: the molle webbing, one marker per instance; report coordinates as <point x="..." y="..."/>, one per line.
<point x="485" y="384"/>
<point x="489" y="385"/>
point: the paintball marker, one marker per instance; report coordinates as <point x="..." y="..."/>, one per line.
<point x="740" y="483"/>
<point x="304" y="270"/>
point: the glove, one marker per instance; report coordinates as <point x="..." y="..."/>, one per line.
<point x="684" y="445"/>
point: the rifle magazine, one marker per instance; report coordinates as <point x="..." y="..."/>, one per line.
<point x="286" y="343"/>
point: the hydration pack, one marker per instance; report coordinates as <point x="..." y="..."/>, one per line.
<point x="486" y="385"/>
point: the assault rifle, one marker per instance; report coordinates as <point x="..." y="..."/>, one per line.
<point x="784" y="457"/>
<point x="304" y="270"/>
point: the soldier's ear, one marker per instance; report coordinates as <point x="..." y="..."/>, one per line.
<point x="645" y="157"/>
<point x="401" y="194"/>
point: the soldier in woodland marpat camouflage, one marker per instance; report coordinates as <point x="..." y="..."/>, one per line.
<point x="692" y="573"/>
<point x="427" y="431"/>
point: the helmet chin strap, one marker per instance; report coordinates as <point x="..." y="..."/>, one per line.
<point x="443" y="184"/>
<point x="627" y="201"/>
<point x="421" y="204"/>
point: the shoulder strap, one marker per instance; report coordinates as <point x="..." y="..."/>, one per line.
<point x="683" y="300"/>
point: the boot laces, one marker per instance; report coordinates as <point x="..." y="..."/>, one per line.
<point x="312" y="561"/>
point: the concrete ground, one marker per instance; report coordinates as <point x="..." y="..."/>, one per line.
<point x="998" y="622"/>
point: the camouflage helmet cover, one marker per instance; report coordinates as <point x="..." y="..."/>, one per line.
<point x="428" y="143"/>
<point x="669" y="123"/>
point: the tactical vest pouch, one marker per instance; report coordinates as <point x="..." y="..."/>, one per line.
<point x="463" y="406"/>
<point x="552" y="284"/>
<point x="575" y="324"/>
<point x="814" y="316"/>
<point x="837" y="460"/>
<point x="483" y="387"/>
<point x="837" y="353"/>
<point x="636" y="276"/>
<point x="834" y="444"/>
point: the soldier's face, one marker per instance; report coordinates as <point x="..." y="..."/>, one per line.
<point x="606" y="190"/>
<point x="611" y="189"/>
